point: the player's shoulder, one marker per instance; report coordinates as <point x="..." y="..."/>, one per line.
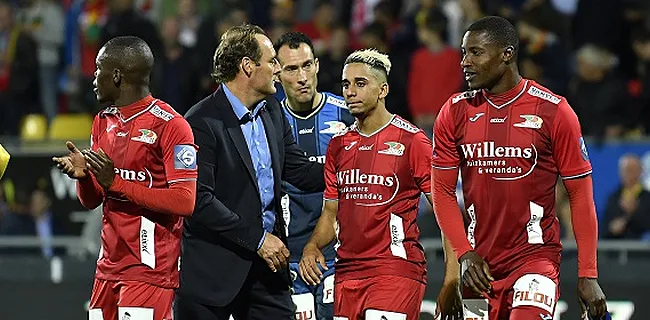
<point x="537" y="91"/>
<point x="469" y="97"/>
<point x="334" y="100"/>
<point x="162" y="110"/>
<point x="402" y="124"/>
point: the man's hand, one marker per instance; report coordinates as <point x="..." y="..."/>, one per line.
<point x="592" y="298"/>
<point x="274" y="252"/>
<point x="74" y="164"/>
<point x="101" y="166"/>
<point x="475" y="273"/>
<point x="311" y="258"/>
<point x="449" y="305"/>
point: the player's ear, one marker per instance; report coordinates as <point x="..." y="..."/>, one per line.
<point x="117" y="77"/>
<point x="509" y="54"/>
<point x="316" y="64"/>
<point x="383" y="90"/>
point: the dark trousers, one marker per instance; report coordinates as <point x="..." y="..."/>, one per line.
<point x="263" y="296"/>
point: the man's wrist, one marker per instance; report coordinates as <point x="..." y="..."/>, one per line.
<point x="259" y="245"/>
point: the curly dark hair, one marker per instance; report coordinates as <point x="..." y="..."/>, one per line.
<point x="236" y="43"/>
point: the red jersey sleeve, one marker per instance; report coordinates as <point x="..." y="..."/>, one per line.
<point x="179" y="151"/>
<point x="445" y="155"/>
<point x="420" y="161"/>
<point x="331" y="184"/>
<point x="89" y="192"/>
<point x="569" y="149"/>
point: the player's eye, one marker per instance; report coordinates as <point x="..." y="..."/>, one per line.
<point x="361" y="84"/>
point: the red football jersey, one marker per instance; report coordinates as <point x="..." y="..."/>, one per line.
<point x="511" y="149"/>
<point x="152" y="145"/>
<point x="377" y="180"/>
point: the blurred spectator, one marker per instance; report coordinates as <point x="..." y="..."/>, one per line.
<point x="44" y="20"/>
<point x="598" y="94"/>
<point x="472" y="10"/>
<point x="435" y="72"/>
<point x="124" y="20"/>
<point x="374" y="36"/>
<point x="320" y="27"/>
<point x="189" y="20"/>
<point x="83" y="23"/>
<point x="602" y="23"/>
<point x="177" y="81"/>
<point x="281" y="12"/>
<point x="210" y="32"/>
<point x="640" y="88"/>
<point x="542" y="55"/>
<point x="331" y="63"/>
<point x="19" y="92"/>
<point x="39" y="209"/>
<point x="361" y="15"/>
<point x="628" y="209"/>
<point x="277" y="30"/>
<point x="387" y="13"/>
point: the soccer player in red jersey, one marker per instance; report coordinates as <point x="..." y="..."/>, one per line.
<point x="142" y="168"/>
<point x="511" y="139"/>
<point x="375" y="172"/>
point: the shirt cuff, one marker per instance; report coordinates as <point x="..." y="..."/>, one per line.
<point x="259" y="246"/>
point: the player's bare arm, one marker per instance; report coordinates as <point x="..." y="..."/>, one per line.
<point x="324" y="234"/>
<point x="583" y="213"/>
<point x="449" y="304"/>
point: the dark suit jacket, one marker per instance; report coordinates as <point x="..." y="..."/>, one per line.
<point x="221" y="237"/>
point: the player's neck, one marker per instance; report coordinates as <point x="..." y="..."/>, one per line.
<point x="246" y="95"/>
<point x="374" y="121"/>
<point x="129" y="96"/>
<point x="307" y="106"/>
<point x="509" y="80"/>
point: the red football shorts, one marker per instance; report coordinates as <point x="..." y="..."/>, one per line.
<point x="378" y="298"/>
<point x="129" y="300"/>
<point x="529" y="292"/>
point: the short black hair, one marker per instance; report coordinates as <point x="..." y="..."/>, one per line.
<point x="132" y="56"/>
<point x="293" y="39"/>
<point x="499" y="30"/>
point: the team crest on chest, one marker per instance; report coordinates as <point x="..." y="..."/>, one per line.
<point x="334" y="127"/>
<point x="394" y="149"/>
<point x="530" y="121"/>
<point x="146" y="136"/>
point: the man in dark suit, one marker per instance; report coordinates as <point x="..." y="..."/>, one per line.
<point x="234" y="257"/>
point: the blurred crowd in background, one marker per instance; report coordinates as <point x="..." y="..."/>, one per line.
<point x="594" y="52"/>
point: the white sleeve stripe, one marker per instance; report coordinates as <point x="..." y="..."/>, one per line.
<point x="577" y="175"/>
<point x="330" y="199"/>
<point x="444" y="168"/>
<point x="179" y="180"/>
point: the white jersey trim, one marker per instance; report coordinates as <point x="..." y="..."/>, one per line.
<point x="179" y="180"/>
<point x="444" y="168"/>
<point x="376" y="131"/>
<point x="314" y="111"/>
<point x="511" y="100"/>
<point x="577" y="175"/>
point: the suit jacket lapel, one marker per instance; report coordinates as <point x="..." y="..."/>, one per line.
<point x="231" y="123"/>
<point x="271" y="137"/>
